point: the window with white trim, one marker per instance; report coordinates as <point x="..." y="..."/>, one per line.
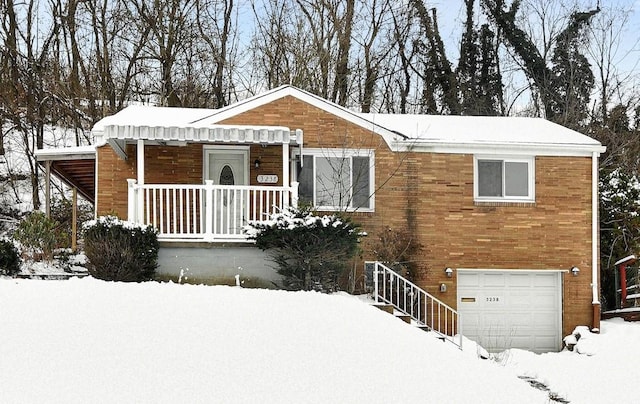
<point x="336" y="179"/>
<point x="504" y="179"/>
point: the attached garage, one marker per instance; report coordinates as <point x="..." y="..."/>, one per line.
<point x="504" y="309"/>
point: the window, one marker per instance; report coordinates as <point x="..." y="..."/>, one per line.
<point x="504" y="179"/>
<point x="336" y="179"/>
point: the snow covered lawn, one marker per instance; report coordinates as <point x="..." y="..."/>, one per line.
<point x="85" y="340"/>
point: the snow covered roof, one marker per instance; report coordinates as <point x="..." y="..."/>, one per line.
<point x="66" y="153"/>
<point x="181" y="124"/>
<point x="427" y="133"/>
<point x="73" y="165"/>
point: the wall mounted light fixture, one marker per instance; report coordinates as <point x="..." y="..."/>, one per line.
<point x="575" y="271"/>
<point x="449" y="272"/>
<point x="256" y="163"/>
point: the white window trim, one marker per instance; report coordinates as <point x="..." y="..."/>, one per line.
<point x="531" y="161"/>
<point x="342" y="153"/>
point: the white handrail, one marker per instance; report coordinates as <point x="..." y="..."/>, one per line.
<point x="204" y="212"/>
<point x="423" y="308"/>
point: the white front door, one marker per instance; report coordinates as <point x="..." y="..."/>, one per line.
<point x="228" y="167"/>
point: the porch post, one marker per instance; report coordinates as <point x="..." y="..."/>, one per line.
<point x="208" y="211"/>
<point x="47" y="188"/>
<point x="140" y="173"/>
<point x="285" y="172"/>
<point x="74" y="219"/>
<point x="140" y="161"/>
<point x="131" y="201"/>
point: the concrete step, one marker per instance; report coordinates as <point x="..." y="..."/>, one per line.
<point x="387" y="308"/>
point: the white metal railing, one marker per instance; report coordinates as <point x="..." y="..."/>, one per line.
<point x="205" y="212"/>
<point x="422" y="307"/>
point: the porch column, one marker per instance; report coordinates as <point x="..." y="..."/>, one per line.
<point x="74" y="219"/>
<point x="47" y="189"/>
<point x="140" y="161"/>
<point x="285" y="172"/>
<point x="140" y="173"/>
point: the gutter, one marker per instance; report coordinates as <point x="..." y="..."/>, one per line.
<point x="594" y="227"/>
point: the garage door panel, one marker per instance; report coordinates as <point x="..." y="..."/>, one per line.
<point x="545" y="280"/>
<point x="523" y="320"/>
<point x="519" y="280"/>
<point x="511" y="309"/>
<point x="493" y="280"/>
<point x="471" y="280"/>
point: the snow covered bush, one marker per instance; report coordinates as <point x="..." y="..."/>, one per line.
<point x="39" y="235"/>
<point x="311" y="251"/>
<point x="9" y="258"/>
<point x="117" y="250"/>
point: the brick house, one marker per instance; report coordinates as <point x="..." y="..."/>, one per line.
<point x="508" y="205"/>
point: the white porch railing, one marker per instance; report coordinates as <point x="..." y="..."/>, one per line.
<point x="205" y="212"/>
<point x="423" y="308"/>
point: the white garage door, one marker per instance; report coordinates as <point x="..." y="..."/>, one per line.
<point x="511" y="309"/>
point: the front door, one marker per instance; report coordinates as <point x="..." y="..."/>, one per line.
<point x="228" y="167"/>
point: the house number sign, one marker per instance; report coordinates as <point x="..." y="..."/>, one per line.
<point x="493" y="299"/>
<point x="268" y="179"/>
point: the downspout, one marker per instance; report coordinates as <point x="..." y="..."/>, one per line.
<point x="595" y="241"/>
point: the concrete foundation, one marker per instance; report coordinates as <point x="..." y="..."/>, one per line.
<point x="217" y="265"/>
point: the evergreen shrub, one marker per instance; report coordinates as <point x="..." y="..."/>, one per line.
<point x="118" y="250"/>
<point x="311" y="251"/>
<point x="9" y="258"/>
<point x="38" y="234"/>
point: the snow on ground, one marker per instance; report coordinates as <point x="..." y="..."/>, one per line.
<point x="606" y="372"/>
<point x="85" y="340"/>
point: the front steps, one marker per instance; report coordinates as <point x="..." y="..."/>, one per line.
<point x="388" y="308"/>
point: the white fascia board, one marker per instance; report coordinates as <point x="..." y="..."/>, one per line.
<point x="66" y="153"/>
<point x="517" y="149"/>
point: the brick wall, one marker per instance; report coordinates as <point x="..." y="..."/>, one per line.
<point x="430" y="195"/>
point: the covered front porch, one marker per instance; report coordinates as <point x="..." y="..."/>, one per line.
<point x="244" y="176"/>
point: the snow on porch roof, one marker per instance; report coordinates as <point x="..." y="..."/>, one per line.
<point x="180" y="124"/>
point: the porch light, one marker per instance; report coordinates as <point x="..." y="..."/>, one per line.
<point x="449" y="272"/>
<point x="575" y="271"/>
<point x="256" y="163"/>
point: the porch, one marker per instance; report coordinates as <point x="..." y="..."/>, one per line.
<point x="245" y="178"/>
<point x="205" y="212"/>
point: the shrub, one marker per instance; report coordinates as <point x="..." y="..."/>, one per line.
<point x="397" y="249"/>
<point x="9" y="258"/>
<point x="117" y="250"/>
<point x="311" y="251"/>
<point x="38" y="234"/>
<point x="62" y="212"/>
